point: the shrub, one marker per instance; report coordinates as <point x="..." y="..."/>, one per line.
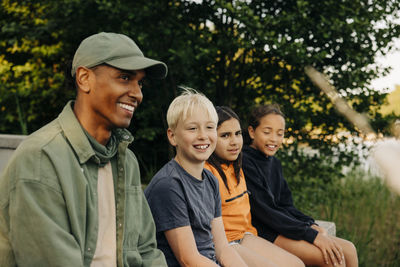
<point x="364" y="210"/>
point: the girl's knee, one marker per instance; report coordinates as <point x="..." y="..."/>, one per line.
<point x="350" y="253"/>
<point x="297" y="262"/>
<point x="293" y="260"/>
<point x="351" y="256"/>
<point x="348" y="247"/>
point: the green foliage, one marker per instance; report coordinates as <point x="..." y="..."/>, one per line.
<point x="365" y="212"/>
<point x="31" y="74"/>
<point x="311" y="169"/>
<point x="239" y="53"/>
<point x="308" y="173"/>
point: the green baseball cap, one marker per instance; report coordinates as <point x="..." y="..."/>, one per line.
<point x="116" y="50"/>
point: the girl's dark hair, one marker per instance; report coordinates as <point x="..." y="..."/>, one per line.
<point x="224" y="114"/>
<point x="258" y="113"/>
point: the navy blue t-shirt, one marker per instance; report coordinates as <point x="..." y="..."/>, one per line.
<point x="178" y="199"/>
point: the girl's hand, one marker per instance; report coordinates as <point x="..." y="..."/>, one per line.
<point x="319" y="229"/>
<point x="330" y="249"/>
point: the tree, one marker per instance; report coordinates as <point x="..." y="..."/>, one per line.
<point x="239" y="53"/>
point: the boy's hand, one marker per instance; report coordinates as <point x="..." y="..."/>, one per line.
<point x="329" y="248"/>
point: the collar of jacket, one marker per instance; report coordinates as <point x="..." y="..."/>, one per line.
<point x="76" y="137"/>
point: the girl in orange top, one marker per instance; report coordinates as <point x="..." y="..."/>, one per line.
<point x="225" y="164"/>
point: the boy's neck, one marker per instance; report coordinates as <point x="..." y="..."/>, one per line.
<point x="192" y="168"/>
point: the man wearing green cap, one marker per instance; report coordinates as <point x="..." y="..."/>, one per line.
<point x="71" y="194"/>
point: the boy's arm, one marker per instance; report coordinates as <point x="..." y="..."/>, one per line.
<point x="226" y="255"/>
<point x="183" y="245"/>
<point x="147" y="247"/>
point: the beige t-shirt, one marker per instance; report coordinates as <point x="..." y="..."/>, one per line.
<point x="106" y="247"/>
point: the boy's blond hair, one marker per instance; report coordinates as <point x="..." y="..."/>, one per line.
<point x="182" y="107"/>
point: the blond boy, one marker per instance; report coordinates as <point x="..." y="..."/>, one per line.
<point x="184" y="198"/>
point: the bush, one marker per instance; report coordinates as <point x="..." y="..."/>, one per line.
<point x="364" y="210"/>
<point x="309" y="172"/>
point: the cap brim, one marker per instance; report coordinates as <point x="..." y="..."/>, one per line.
<point x="154" y="68"/>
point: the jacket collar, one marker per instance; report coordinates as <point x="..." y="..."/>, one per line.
<point x="76" y="137"/>
<point x="74" y="133"/>
<point x="255" y="153"/>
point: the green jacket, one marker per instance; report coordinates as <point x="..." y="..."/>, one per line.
<point x="48" y="202"/>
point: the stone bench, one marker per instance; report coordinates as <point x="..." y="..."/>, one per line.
<point x="8" y="143"/>
<point x="330" y="227"/>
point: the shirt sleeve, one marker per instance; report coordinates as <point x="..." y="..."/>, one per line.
<point x="217" y="196"/>
<point x="287" y="202"/>
<point x="168" y="204"/>
<point x="209" y="171"/>
<point x="267" y="212"/>
<point x="147" y="245"/>
<point x="39" y="227"/>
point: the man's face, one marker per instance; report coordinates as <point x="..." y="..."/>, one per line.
<point x="114" y="96"/>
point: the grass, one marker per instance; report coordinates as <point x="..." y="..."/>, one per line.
<point x="366" y="213"/>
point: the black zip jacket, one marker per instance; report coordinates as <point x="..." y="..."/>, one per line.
<point x="272" y="209"/>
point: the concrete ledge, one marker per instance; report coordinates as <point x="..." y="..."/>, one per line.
<point x="8" y="143"/>
<point x="330" y="227"/>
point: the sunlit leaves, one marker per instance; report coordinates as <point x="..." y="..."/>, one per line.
<point x="239" y="53"/>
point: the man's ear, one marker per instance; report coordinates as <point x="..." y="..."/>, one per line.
<point x="82" y="78"/>
<point x="171" y="137"/>
<point x="251" y="132"/>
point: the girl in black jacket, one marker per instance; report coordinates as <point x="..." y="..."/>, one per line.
<point x="272" y="209"/>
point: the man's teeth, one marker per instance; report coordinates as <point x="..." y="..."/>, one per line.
<point x="127" y="107"/>
<point x="202" y="146"/>
<point x="271" y="146"/>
